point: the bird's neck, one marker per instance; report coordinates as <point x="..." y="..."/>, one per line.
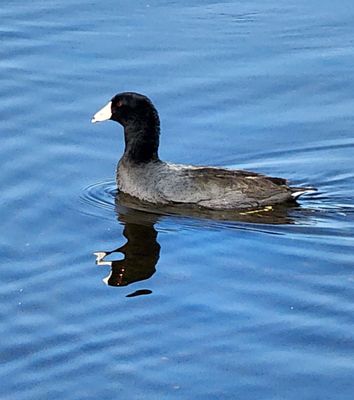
<point x="142" y="141"/>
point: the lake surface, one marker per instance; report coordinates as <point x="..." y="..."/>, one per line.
<point x="191" y="307"/>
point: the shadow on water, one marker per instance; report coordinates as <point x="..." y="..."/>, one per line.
<point x="141" y="252"/>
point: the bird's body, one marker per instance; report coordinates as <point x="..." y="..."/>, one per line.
<point x="141" y="174"/>
<point x="214" y="188"/>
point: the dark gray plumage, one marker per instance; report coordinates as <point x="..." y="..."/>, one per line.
<point x="142" y="174"/>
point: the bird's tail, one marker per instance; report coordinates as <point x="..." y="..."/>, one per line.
<point x="299" y="191"/>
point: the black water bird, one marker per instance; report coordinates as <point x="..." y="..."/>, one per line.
<point x="141" y="173"/>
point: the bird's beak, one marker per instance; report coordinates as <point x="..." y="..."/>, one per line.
<point x="103" y="114"/>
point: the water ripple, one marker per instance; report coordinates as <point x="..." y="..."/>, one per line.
<point x="100" y="194"/>
<point x="208" y="307"/>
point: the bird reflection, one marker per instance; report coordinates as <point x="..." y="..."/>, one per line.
<point x="141" y="252"/>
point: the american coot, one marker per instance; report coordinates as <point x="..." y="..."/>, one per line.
<point x="143" y="175"/>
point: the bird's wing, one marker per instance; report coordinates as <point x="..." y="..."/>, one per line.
<point x="223" y="188"/>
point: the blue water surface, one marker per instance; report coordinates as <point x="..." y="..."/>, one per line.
<point x="217" y="309"/>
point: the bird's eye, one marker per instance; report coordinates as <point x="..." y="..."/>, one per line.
<point x="119" y="103"/>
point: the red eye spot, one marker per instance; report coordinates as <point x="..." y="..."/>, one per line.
<point x="120" y="103"/>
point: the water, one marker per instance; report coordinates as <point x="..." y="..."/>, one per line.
<point x="260" y="307"/>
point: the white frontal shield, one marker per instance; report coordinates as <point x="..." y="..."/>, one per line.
<point x="103" y="114"/>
